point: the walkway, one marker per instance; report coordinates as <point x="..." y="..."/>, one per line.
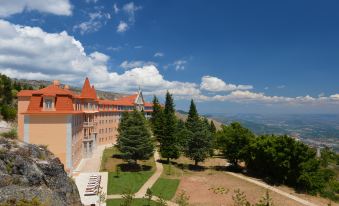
<point x="149" y="183"/>
<point x="92" y="164"/>
<point x="266" y="186"/>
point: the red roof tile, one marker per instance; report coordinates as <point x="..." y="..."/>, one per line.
<point x="88" y="92"/>
<point x="64" y="103"/>
<point x="53" y="90"/>
<point x="25" y="93"/>
<point x="35" y="104"/>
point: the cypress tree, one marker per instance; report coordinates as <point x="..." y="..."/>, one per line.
<point x="134" y="138"/>
<point x="169" y="147"/>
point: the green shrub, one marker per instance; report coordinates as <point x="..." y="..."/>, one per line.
<point x="12" y="134"/>
<point x="8" y="112"/>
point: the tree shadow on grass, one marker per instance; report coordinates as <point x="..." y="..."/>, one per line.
<point x="182" y="166"/>
<point x="131" y="167"/>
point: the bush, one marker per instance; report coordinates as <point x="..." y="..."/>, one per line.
<point x="8" y="112"/>
<point x="12" y="134"/>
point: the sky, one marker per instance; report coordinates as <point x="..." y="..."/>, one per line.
<point x="229" y="56"/>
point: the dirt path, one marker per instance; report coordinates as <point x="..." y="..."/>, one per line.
<point x="266" y="186"/>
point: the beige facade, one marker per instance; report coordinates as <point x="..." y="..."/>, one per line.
<point x="72" y="125"/>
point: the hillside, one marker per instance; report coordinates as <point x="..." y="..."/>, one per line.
<point x="29" y="171"/>
<point x="39" y="83"/>
<point x="183" y="116"/>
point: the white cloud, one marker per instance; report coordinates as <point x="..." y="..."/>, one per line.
<point x="31" y="53"/>
<point x="91" y="1"/>
<point x="138" y="47"/>
<point x="116" y="8"/>
<point x="281" y="86"/>
<point x="133" y="64"/>
<point x="179" y="64"/>
<point x="130" y="10"/>
<point x="214" y="84"/>
<point x="122" y="27"/>
<point x="59" y="7"/>
<point x="159" y="54"/>
<point x="96" y="21"/>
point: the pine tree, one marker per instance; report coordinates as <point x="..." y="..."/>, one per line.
<point x="169" y="147"/>
<point x="193" y="117"/>
<point x="134" y="139"/>
<point x="157" y="119"/>
<point x="200" y="140"/>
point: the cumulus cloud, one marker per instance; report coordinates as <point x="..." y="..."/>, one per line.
<point x="133" y="64"/>
<point x="214" y="84"/>
<point x="122" y="27"/>
<point x="179" y="65"/>
<point x="96" y="21"/>
<point x="31" y="53"/>
<point x="59" y="7"/>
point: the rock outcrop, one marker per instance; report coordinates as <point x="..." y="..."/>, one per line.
<point x="29" y="171"/>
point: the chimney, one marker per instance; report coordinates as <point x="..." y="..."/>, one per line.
<point x="56" y="83"/>
<point x="66" y="87"/>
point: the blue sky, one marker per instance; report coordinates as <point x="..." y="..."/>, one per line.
<point x="230" y="56"/>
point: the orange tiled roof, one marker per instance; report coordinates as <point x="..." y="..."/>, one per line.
<point x="53" y="90"/>
<point x="127" y="101"/>
<point x="25" y="93"/>
<point x="88" y="92"/>
<point x="63" y="103"/>
<point x="148" y="104"/>
<point x="35" y="104"/>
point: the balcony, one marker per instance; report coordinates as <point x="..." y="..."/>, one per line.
<point x="90" y="137"/>
<point x="90" y="124"/>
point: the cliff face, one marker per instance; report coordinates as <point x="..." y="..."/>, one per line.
<point x="29" y="171"/>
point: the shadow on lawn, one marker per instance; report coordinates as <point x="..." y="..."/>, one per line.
<point x="131" y="167"/>
<point x="182" y="166"/>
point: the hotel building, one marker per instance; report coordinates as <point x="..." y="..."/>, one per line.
<point x="71" y="124"/>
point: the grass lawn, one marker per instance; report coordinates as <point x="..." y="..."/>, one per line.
<point x="127" y="181"/>
<point x="131" y="177"/>
<point x="136" y="202"/>
<point x="165" y="188"/>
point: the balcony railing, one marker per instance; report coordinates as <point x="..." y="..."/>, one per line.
<point x="90" y="124"/>
<point x="89" y="137"/>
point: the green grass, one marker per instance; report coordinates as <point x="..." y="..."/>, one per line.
<point x="127" y="181"/>
<point x="108" y="153"/>
<point x="165" y="188"/>
<point x="136" y="202"/>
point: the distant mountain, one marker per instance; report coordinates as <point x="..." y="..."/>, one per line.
<point x="315" y="129"/>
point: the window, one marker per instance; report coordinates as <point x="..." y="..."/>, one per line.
<point x="48" y="103"/>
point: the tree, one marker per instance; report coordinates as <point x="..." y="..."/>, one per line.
<point x="182" y="134"/>
<point x="192" y="118"/>
<point x="169" y="147"/>
<point x="239" y="198"/>
<point x="182" y="199"/>
<point x="234" y="140"/>
<point x="199" y="143"/>
<point x="148" y="196"/>
<point x="7" y="97"/>
<point x="265" y="200"/>
<point x="161" y="202"/>
<point x="157" y="120"/>
<point x="8" y="112"/>
<point x="127" y="198"/>
<point x="134" y="139"/>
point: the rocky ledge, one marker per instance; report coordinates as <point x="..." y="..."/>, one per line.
<point x="32" y="172"/>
